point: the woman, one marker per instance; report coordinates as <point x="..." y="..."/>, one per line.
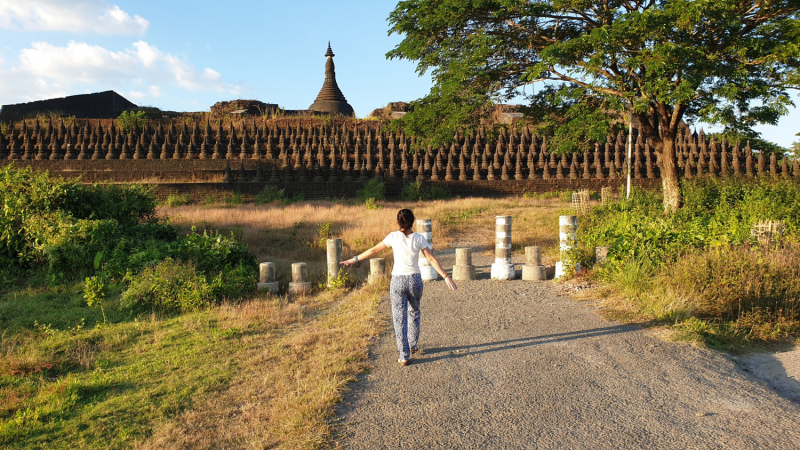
<point x="406" y="287"/>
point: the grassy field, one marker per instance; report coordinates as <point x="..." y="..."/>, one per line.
<point x="260" y="372"/>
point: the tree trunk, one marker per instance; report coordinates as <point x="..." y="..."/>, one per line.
<point x="669" y="176"/>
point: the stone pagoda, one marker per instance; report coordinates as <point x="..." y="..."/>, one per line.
<point x="330" y="99"/>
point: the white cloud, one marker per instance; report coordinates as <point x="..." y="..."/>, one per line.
<point x="47" y="70"/>
<point x="75" y="16"/>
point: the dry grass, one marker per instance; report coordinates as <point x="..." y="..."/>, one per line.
<point x="291" y="233"/>
<point x="297" y="358"/>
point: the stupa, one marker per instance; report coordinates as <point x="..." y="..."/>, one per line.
<point x="330" y="99"/>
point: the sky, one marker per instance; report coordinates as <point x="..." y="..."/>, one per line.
<point x="186" y="56"/>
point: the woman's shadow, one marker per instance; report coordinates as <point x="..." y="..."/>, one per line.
<point x="437" y="353"/>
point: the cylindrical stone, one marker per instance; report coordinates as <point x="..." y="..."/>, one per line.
<point x="601" y="254"/>
<point x="533" y="256"/>
<point x="266" y="272"/>
<point x="463" y="256"/>
<point x="334" y="257"/>
<point x="427" y="272"/>
<point x="567" y="233"/>
<point x="299" y="272"/>
<point x="502" y="269"/>
<point x="567" y="237"/>
<point x="377" y="270"/>
<point x="534" y="273"/>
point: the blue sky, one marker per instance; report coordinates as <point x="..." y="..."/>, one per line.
<point x="185" y="56"/>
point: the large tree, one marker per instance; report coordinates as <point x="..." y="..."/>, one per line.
<point x="730" y="62"/>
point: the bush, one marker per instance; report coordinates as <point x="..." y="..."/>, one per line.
<point x="715" y="213"/>
<point x="29" y="196"/>
<point x="178" y="200"/>
<point x="270" y="194"/>
<point x="373" y="189"/>
<point x="417" y="191"/>
<point x="169" y="286"/>
<point x="729" y="283"/>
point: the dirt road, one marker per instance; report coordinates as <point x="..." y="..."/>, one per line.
<point x="516" y="365"/>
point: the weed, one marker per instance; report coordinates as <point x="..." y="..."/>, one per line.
<point x="371" y="204"/>
<point x="233" y="199"/>
<point x="270" y="194"/>
<point x="373" y="189"/>
<point x="178" y="200"/>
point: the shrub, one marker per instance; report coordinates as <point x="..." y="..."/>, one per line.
<point x="178" y="200"/>
<point x="417" y="191"/>
<point x="373" y="189"/>
<point x="233" y="199"/>
<point x="130" y="119"/>
<point x="270" y="194"/>
<point x="715" y="213"/>
<point x="731" y="282"/>
<point x="234" y="283"/>
<point x="67" y="245"/>
<point x="169" y="286"/>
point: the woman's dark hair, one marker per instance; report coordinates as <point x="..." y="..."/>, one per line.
<point x="405" y="218"/>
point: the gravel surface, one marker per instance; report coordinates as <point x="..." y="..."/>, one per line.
<point x="517" y="365"/>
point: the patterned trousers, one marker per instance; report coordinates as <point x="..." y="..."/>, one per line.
<point x="405" y="292"/>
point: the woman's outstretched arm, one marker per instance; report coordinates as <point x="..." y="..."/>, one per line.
<point x="366" y="255"/>
<point x="435" y="263"/>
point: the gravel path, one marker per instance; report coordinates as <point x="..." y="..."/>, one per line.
<point x="516" y="365"/>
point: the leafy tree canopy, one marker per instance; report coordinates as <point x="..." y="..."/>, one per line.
<point x="727" y="62"/>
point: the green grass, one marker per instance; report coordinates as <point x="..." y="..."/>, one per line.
<point x="67" y="381"/>
<point x="699" y="271"/>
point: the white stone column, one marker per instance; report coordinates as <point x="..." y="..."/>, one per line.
<point x="377" y="270"/>
<point x="428" y="273"/>
<point x="266" y="278"/>
<point x="503" y="269"/>
<point x="567" y="238"/>
<point x="463" y="270"/>
<point x="300" y="283"/>
<point x="533" y="270"/>
<point x="334" y="258"/>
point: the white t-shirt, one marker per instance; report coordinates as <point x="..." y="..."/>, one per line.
<point x="406" y="251"/>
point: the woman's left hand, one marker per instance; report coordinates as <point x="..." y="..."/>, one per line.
<point x="349" y="262"/>
<point x="450" y="283"/>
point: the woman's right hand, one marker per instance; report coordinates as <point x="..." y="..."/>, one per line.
<point x="450" y="283"/>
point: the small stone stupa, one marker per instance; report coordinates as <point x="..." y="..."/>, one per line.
<point x="330" y="99"/>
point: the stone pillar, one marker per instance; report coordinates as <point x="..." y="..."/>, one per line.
<point x="300" y="283"/>
<point x="503" y="269"/>
<point x="601" y="254"/>
<point x="334" y="258"/>
<point x="533" y="270"/>
<point x="266" y="278"/>
<point x="428" y="273"/>
<point x="464" y="270"/>
<point x="567" y="238"/>
<point x="377" y="270"/>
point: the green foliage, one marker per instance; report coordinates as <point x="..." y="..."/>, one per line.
<point x="418" y="191"/>
<point x="323" y="234"/>
<point x="130" y="119"/>
<point x="174" y="286"/>
<point x="270" y="194"/>
<point x="373" y="189"/>
<point x="371" y="204"/>
<point x="178" y="200"/>
<point x="169" y="286"/>
<point x="728" y="63"/>
<point x="697" y="268"/>
<point x="729" y="282"/>
<point x="233" y="199"/>
<point x="715" y="213"/>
